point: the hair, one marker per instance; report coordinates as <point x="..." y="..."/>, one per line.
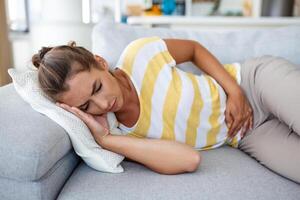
<point x="57" y="64"/>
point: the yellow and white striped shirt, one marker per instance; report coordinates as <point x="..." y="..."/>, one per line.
<point x="174" y="104"/>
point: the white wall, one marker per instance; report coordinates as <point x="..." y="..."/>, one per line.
<point x="55" y="10"/>
<point x="52" y="22"/>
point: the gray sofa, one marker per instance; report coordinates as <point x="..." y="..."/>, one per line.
<point x="37" y="160"/>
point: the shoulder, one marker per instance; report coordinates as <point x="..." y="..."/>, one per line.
<point x="143" y="47"/>
<point x="144" y="50"/>
<point x="153" y="42"/>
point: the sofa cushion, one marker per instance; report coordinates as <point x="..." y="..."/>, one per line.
<point x="30" y="143"/>
<point x="225" y="173"/>
<point x="45" y="188"/>
<point x="109" y="39"/>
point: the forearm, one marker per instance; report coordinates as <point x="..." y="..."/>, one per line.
<point x="163" y="156"/>
<point x="210" y="65"/>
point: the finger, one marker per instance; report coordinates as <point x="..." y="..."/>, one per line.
<point x="248" y="123"/>
<point x="65" y="107"/>
<point x="228" y="119"/>
<point x="58" y="104"/>
<point x="250" y="112"/>
<point x="242" y="132"/>
<point x="80" y="113"/>
<point x="236" y="124"/>
<point x="75" y="113"/>
<point x="245" y="124"/>
<point x="61" y="104"/>
<point x="239" y="127"/>
<point x="236" y="130"/>
<point x="87" y="118"/>
<point x="250" y="119"/>
<point x="245" y="128"/>
<point x="94" y="126"/>
<point x="68" y="108"/>
<point x="231" y="127"/>
<point x="251" y="122"/>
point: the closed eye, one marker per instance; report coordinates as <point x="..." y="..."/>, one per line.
<point x="97" y="90"/>
<point x="100" y="86"/>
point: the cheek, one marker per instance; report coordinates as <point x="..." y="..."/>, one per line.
<point x="95" y="109"/>
<point x="117" y="87"/>
<point x="112" y="86"/>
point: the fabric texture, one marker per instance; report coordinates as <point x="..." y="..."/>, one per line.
<point x="26" y="84"/>
<point x="272" y="86"/>
<point x="110" y="39"/>
<point x="45" y="188"/>
<point x="224" y="174"/>
<point x="175" y="105"/>
<point x="30" y="143"/>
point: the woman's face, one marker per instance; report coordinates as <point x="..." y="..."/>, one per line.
<point x="95" y="92"/>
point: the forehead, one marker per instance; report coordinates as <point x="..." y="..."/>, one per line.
<point x="80" y="87"/>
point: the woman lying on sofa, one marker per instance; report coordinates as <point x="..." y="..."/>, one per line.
<point x="169" y="114"/>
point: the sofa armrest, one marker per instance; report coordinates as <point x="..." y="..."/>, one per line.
<point x="29" y="141"/>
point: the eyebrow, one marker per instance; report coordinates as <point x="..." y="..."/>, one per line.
<point x="93" y="91"/>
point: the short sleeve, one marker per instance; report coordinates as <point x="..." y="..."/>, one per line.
<point x="142" y="51"/>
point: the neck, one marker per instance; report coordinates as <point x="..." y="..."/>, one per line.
<point x="127" y="92"/>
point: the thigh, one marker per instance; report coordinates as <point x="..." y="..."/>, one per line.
<point x="275" y="146"/>
<point x="272" y="84"/>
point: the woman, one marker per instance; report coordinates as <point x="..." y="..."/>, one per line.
<point x="169" y="114"/>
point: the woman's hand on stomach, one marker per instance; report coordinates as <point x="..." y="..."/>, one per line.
<point x="238" y="113"/>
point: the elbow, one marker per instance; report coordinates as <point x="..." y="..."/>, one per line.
<point x="194" y="163"/>
<point x="190" y="166"/>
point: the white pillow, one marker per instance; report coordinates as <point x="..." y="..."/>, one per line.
<point x="26" y="84"/>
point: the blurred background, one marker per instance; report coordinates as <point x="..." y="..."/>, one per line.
<point x="27" y="25"/>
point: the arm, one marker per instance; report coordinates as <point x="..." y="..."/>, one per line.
<point x="193" y="51"/>
<point x="163" y="156"/>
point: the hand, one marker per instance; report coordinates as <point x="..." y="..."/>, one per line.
<point x="97" y="124"/>
<point x="238" y="113"/>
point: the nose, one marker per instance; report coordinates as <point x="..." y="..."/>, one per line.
<point x="101" y="103"/>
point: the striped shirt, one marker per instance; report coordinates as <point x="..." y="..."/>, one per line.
<point x="174" y="104"/>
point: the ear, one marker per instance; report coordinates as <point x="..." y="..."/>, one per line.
<point x="102" y="62"/>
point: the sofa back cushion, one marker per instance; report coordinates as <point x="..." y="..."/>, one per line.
<point x="109" y="39"/>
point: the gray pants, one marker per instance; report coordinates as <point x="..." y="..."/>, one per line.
<point x="272" y="85"/>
